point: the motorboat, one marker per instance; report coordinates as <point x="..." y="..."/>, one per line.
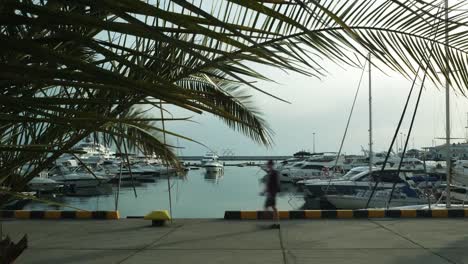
<point x="284" y="173"/>
<point x="317" y="166"/>
<point x="94" y="150"/>
<point x="360" y="181"/>
<point x="75" y="179"/>
<point x="401" y="196"/>
<point x="306" y="170"/>
<point x="44" y="185"/>
<point x="211" y="164"/>
<point x="435" y="206"/>
<point x="354" y="171"/>
<point x="209" y="156"/>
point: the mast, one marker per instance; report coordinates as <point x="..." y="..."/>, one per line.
<point x="466" y="133"/>
<point x="370" y="118"/>
<point x="447" y="109"/>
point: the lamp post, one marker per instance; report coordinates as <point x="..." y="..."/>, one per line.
<point x="313" y="140"/>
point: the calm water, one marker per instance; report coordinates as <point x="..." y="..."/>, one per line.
<point x="196" y="195"/>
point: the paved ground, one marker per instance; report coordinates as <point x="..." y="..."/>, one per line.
<point x="217" y="241"/>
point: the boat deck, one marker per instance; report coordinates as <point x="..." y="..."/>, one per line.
<point x="218" y="241"/>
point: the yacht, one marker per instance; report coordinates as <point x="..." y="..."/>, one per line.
<point x="209" y="156"/>
<point x="306" y="170"/>
<point x="360" y="181"/>
<point x="43" y="185"/>
<point x="401" y="196"/>
<point x="94" y="151"/>
<point x="285" y="171"/>
<point x="211" y="164"/>
<point x="317" y="166"/>
<point x="354" y="171"/>
<point x="124" y="173"/>
<point x="75" y="179"/>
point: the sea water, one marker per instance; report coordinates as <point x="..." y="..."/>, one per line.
<point x="198" y="194"/>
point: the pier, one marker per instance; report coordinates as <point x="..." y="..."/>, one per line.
<point x="209" y="241"/>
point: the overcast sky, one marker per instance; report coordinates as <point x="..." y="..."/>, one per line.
<point x="322" y="106"/>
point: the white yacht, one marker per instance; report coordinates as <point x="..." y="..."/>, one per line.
<point x="306" y="170"/>
<point x="94" y="151"/>
<point x="209" y="156"/>
<point x="123" y="173"/>
<point x="41" y="184"/>
<point x="64" y="175"/>
<point x="213" y="166"/>
<point x="354" y="171"/>
<point x="318" y="166"/>
<point x="360" y="181"/>
<point x="285" y="171"/>
<point x="210" y="163"/>
<point x="401" y="197"/>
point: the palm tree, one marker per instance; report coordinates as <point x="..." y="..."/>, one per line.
<point x="69" y="69"/>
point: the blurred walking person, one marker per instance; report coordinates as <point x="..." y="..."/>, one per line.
<point x="272" y="187"/>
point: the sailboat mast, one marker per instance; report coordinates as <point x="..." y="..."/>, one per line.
<point x="447" y="108"/>
<point x="370" y="117"/>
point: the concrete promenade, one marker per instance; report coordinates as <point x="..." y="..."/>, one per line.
<point x="238" y="242"/>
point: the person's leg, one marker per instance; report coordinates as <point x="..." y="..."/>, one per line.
<point x="275" y="213"/>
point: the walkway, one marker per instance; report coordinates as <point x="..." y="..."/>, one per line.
<point x="218" y="241"/>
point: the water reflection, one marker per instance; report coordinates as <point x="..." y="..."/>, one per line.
<point x="213" y="176"/>
<point x="199" y="194"/>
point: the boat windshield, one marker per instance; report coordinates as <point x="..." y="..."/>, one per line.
<point x="350" y="174"/>
<point x="298" y="164"/>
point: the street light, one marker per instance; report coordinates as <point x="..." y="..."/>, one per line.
<point x="313" y="136"/>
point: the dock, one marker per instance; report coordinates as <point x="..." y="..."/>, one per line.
<point x="386" y="240"/>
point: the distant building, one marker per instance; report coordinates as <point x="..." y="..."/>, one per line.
<point x="458" y="151"/>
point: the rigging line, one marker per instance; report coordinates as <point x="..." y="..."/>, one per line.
<point x="401" y="118"/>
<point x="409" y="134"/>
<point x="347" y="125"/>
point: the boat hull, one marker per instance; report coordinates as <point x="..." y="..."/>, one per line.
<point x="353" y="202"/>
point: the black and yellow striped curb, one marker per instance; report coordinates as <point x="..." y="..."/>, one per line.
<point x="21" y="214"/>
<point x="343" y="214"/>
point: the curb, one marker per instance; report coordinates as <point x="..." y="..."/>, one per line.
<point x="21" y="214"/>
<point x="346" y="214"/>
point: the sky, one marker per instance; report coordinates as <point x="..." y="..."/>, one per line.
<point x="322" y="106"/>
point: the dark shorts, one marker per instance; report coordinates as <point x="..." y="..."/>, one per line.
<point x="270" y="201"/>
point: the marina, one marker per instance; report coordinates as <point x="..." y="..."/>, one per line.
<point x="227" y="131"/>
<point x="198" y="194"/>
<point x="207" y="188"/>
